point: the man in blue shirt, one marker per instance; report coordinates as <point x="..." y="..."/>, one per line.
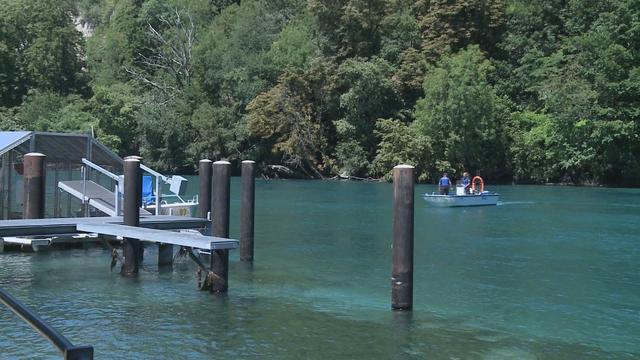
<point x="444" y="184"/>
<point x="466" y="182"/>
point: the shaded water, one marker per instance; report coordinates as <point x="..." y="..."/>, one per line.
<point x="550" y="273"/>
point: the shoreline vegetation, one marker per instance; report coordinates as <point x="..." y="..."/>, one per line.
<point x="288" y="174"/>
<point x="519" y="92"/>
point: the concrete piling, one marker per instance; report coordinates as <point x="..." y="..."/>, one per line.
<point x="34" y="182"/>
<point x="247" y="209"/>
<point x="402" y="248"/>
<point x="131" y="213"/>
<point x="220" y="203"/>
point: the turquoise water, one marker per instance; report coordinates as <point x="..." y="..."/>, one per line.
<point x="549" y="273"/>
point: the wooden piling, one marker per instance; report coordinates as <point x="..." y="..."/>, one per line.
<point x="220" y="202"/>
<point x="165" y="255"/>
<point x="402" y="248"/>
<point x="34" y="181"/>
<point x="140" y="250"/>
<point x="247" y="210"/>
<point x="204" y="196"/>
<point x="131" y="213"/>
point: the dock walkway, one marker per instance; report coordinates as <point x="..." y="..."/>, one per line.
<point x="162" y="236"/>
<point x="152" y="229"/>
<point x="95" y="194"/>
<point x="54" y="226"/>
<point x="42" y="233"/>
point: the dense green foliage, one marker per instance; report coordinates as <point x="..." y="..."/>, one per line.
<point x="543" y="91"/>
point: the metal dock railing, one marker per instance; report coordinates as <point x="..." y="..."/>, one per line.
<point x="69" y="351"/>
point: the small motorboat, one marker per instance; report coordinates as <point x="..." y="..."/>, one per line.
<point x="476" y="197"/>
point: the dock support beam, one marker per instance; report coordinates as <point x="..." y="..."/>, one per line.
<point x="402" y="247"/>
<point x="132" y="195"/>
<point x="204" y="196"/>
<point x="220" y="201"/>
<point x="247" y="210"/>
<point x="34" y="181"/>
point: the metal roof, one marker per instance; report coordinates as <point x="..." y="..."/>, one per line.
<point x="11" y="139"/>
<point x="59" y="147"/>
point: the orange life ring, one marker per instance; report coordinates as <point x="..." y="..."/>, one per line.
<point x="473" y="184"/>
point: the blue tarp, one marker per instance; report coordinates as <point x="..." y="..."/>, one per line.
<point x="148" y="197"/>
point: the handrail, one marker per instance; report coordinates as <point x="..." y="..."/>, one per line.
<point x="119" y="183"/>
<point x="70" y="351"/>
<point x="153" y="172"/>
<point x="108" y="174"/>
<point x="101" y="170"/>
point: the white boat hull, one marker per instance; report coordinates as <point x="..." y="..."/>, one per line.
<point x="174" y="209"/>
<point x="462" y="200"/>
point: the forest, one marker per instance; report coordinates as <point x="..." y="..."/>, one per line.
<point x="544" y="91"/>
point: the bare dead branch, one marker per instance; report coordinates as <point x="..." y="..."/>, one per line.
<point x="172" y="55"/>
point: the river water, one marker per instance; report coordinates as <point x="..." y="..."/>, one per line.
<point x="549" y="273"/>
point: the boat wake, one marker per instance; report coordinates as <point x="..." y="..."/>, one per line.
<point x="501" y="203"/>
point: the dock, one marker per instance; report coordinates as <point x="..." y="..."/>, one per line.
<point x="55" y="226"/>
<point x="37" y="232"/>
<point x="27" y="156"/>
<point x="191" y="240"/>
<point x="40" y="233"/>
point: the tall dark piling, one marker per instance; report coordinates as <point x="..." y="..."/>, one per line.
<point x="402" y="248"/>
<point x="34" y="181"/>
<point x="204" y="196"/>
<point x="165" y="255"/>
<point x="131" y="213"/>
<point x="247" y="210"/>
<point x="220" y="202"/>
<point x="140" y="251"/>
